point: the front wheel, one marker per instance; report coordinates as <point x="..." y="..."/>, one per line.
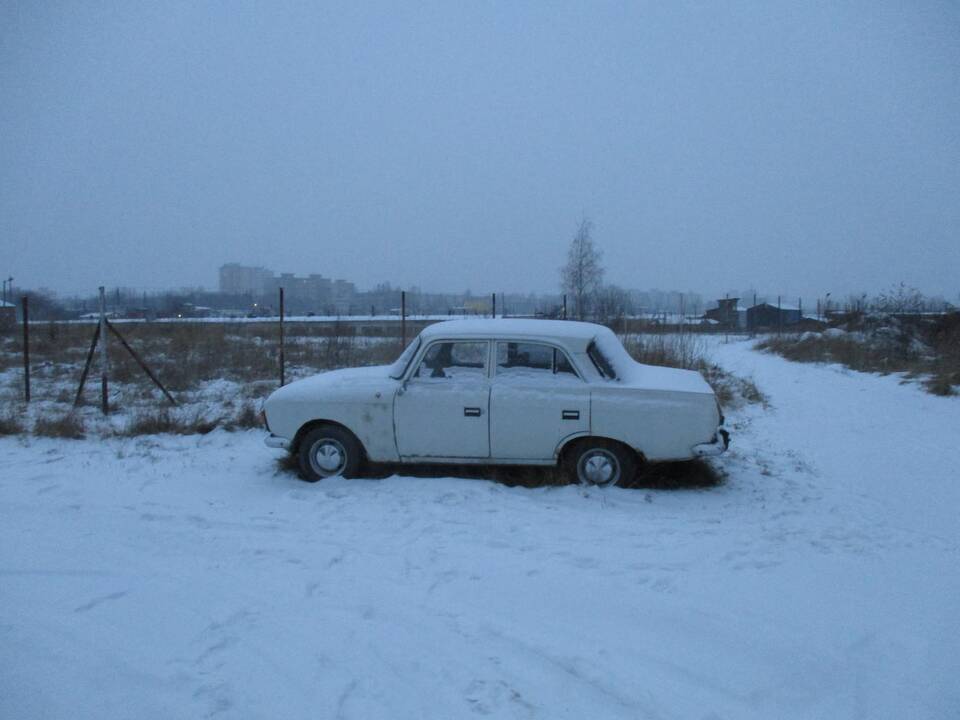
<point x="601" y="462"/>
<point x="328" y="451"/>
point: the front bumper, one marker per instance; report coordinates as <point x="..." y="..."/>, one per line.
<point x="720" y="443"/>
<point x="275" y="441"/>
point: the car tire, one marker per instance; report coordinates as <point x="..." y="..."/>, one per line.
<point x="329" y="451"/>
<point x="601" y="462"/>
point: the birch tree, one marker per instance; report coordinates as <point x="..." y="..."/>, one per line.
<point x="582" y="276"/>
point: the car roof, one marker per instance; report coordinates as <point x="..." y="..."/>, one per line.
<point x="575" y="335"/>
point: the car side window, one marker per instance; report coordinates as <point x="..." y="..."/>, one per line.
<point x="453" y="361"/>
<point x="533" y="362"/>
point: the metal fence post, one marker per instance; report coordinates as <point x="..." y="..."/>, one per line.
<point x="403" y="318"/>
<point x="104" y="360"/>
<point x="282" y="357"/>
<point x="26" y="349"/>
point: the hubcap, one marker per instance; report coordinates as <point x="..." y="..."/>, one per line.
<point x="599" y="467"/>
<point x="328" y="457"/>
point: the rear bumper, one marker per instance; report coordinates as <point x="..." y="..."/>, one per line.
<point x="720" y="443"/>
<point x="275" y="441"/>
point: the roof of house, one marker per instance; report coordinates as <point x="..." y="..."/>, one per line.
<point x="783" y="306"/>
<point x="4" y="303"/>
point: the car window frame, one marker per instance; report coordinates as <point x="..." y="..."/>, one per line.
<point x="418" y="358"/>
<point x="553" y="346"/>
<point x="607" y="372"/>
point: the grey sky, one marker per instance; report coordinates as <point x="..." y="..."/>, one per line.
<point x="795" y="147"/>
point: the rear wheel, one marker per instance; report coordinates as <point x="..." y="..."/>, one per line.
<point x="328" y="451"/>
<point x="601" y="462"/>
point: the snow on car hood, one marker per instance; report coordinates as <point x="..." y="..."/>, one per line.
<point x="346" y="378"/>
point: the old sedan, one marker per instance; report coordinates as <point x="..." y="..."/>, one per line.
<point x="505" y="392"/>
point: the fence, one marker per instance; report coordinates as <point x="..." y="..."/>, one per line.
<point x="174" y="355"/>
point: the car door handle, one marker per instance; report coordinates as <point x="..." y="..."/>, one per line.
<point x="472" y="412"/>
<point x="570" y="414"/>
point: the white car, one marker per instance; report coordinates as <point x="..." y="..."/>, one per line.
<point x="504" y="392"/>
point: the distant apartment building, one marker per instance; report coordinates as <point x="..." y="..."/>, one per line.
<point x="236" y="279"/>
<point x="312" y="292"/>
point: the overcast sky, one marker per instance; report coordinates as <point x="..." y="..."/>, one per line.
<point x="794" y="147"/>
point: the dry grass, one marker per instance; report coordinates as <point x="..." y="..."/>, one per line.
<point x="11" y="425"/>
<point x="170" y="422"/>
<point x="69" y="426"/>
<point x="245" y="418"/>
<point x="927" y="349"/>
<point x="165" y="422"/>
<point x="183" y="355"/>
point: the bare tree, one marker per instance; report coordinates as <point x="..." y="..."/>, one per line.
<point x="582" y="275"/>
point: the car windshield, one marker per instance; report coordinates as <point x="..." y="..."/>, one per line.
<point x="399" y="366"/>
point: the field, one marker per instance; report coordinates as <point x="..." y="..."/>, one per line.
<point x="195" y="576"/>
<point x="219" y="371"/>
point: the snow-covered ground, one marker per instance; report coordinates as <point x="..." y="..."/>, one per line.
<point x="174" y="577"/>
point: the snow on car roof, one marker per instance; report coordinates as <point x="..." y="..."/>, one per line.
<point x="577" y="333"/>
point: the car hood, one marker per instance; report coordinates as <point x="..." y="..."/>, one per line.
<point x="333" y="382"/>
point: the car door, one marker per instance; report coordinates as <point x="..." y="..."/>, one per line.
<point x="443" y="409"/>
<point x="536" y="400"/>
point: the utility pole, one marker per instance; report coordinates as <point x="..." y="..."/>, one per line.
<point x="493" y="305"/>
<point x="564" y="306"/>
<point x="103" y="352"/>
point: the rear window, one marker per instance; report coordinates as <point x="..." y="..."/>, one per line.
<point x="600" y="362"/>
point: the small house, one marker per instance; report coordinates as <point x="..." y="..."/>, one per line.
<point x="765" y="315"/>
<point x="728" y="314"/>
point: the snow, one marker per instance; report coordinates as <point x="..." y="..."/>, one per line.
<point x="191" y="577"/>
<point x="578" y="334"/>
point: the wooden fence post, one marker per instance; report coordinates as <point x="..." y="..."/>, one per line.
<point x="86" y="367"/>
